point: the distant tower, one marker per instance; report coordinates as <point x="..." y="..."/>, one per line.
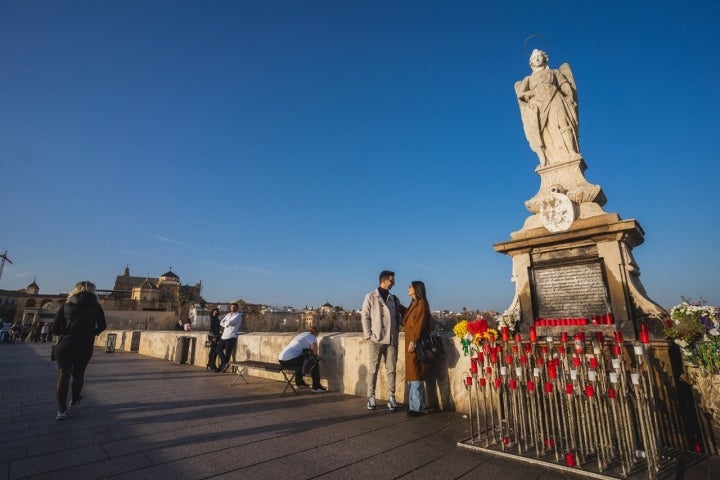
<point x="169" y="285"/>
<point x="33" y="288"/>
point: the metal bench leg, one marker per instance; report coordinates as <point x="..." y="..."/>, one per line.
<point x="288" y="382"/>
<point x="240" y="371"/>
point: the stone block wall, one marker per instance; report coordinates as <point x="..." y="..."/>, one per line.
<point x="343" y="366"/>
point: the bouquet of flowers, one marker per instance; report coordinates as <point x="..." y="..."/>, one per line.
<point x="695" y="327"/>
<point x="508" y="320"/>
<point x="472" y="334"/>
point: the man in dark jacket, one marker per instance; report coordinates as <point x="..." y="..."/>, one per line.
<point x="76" y="324"/>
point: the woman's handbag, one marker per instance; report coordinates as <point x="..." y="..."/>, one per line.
<point x="427" y="349"/>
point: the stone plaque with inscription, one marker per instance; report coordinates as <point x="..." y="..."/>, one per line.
<point x="570" y="291"/>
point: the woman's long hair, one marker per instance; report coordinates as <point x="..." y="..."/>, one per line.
<point x="419" y="288"/>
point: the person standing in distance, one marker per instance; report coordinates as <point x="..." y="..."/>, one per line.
<point x="381" y="319"/>
<point x="214" y="335"/>
<point x="417" y="327"/>
<point x="76" y="324"/>
<point x="228" y="340"/>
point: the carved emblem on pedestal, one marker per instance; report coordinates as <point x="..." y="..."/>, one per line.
<point x="557" y="212"/>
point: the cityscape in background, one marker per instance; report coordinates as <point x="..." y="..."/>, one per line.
<point x="163" y="302"/>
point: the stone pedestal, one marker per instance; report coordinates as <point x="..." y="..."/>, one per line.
<point x="583" y="271"/>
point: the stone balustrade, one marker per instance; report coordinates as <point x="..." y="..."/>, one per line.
<point x="343" y="365"/>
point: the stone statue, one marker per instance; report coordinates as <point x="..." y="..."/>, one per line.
<point x="549" y="110"/>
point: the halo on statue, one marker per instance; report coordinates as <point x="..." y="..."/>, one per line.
<point x="536" y="40"/>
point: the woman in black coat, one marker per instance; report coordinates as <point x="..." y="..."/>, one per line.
<point x="76" y="324"/>
<point x="214" y="336"/>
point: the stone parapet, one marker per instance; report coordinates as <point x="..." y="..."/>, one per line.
<point x="343" y="365"/>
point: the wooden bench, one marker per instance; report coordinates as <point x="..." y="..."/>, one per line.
<point x="240" y="368"/>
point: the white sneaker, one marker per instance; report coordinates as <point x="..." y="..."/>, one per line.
<point x="371" y="403"/>
<point x="60" y="416"/>
<point x="392" y="404"/>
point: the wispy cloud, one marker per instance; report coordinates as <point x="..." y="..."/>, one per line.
<point x="170" y="240"/>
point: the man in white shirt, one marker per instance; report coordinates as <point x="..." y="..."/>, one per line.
<point x="300" y="349"/>
<point x="228" y="340"/>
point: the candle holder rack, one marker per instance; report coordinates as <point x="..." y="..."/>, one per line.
<point x="583" y="403"/>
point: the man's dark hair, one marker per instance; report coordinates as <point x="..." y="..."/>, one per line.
<point x="386" y="274"/>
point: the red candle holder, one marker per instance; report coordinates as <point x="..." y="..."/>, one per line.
<point x="570" y="459"/>
<point x="533" y="334"/>
<point x="644" y="333"/>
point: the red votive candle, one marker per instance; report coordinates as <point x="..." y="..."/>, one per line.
<point x="593" y="362"/>
<point x="617" y="349"/>
<point x="518" y="338"/>
<point x="480" y="357"/>
<point x="570" y="459"/>
<point x="491" y="337"/>
<point x="612" y="393"/>
<point x="531" y="386"/>
<point x="508" y="359"/>
<point x="563" y="337"/>
<point x="488" y="370"/>
<point x="505" y="332"/>
<point x="533" y="334"/>
<point x="473" y="366"/>
<point x="552" y="372"/>
<point x="468" y="381"/>
<point x="482" y="381"/>
<point x="561" y="350"/>
<point x="493" y="357"/>
<point x="644" y="333"/>
<point x="589" y="390"/>
<point x="569" y="388"/>
<point x="513" y="384"/>
<point x="576" y="361"/>
<point x="523" y="359"/>
<point x="548" y="387"/>
<point x="498" y="382"/>
<point x="618" y="336"/>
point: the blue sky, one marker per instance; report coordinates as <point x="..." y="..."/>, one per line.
<point x="284" y="152"/>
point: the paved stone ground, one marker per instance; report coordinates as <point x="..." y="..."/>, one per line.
<point x="147" y="418"/>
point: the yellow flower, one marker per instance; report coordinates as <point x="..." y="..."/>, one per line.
<point x="460" y="329"/>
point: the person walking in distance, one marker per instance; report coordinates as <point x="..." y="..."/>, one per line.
<point x="228" y="340"/>
<point x="381" y="319"/>
<point x="76" y="324"/>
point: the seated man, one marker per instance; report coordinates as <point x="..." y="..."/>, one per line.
<point x="298" y="350"/>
